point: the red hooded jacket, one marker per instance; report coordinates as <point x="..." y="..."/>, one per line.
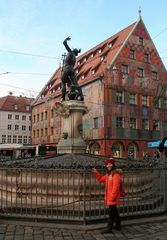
<point x="112" y="186"/>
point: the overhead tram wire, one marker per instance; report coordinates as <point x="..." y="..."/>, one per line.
<point x="28" y="54"/>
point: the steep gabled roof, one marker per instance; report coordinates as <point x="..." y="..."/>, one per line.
<point x="89" y="65"/>
<point x="8" y="103"/>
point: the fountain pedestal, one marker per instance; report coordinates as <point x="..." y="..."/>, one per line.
<point x="71" y="137"/>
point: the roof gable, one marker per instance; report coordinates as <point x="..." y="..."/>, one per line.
<point x="89" y="65"/>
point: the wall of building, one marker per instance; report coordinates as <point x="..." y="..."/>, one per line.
<point x="9" y="131"/>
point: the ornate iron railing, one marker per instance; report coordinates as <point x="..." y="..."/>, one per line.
<point x="71" y="192"/>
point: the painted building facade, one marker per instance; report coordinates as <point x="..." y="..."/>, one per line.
<point x="119" y="78"/>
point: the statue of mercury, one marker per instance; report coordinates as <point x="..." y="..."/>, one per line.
<point x="69" y="76"/>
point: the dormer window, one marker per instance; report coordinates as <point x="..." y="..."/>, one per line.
<point x="99" y="50"/>
<point x="78" y="63"/>
<point x="76" y="71"/>
<point x="146" y="57"/>
<point x="141" y="41"/>
<point x="84" y="59"/>
<point x="93" y="72"/>
<point x="102" y="58"/>
<point x="27" y="108"/>
<point x="154" y="75"/>
<point x="92" y="55"/>
<point x="110" y="45"/>
<point x="83" y="77"/>
<point x="132" y="54"/>
<point x="16" y="107"/>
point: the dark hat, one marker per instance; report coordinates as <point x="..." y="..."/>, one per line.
<point x="110" y="160"/>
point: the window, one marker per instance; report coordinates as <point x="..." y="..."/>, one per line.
<point x="19" y="139"/>
<point x="3" y="138"/>
<point x="141" y="41"/>
<point x="29" y="128"/>
<point x="52" y="113"/>
<point x="46" y="131"/>
<point x="34" y="118"/>
<point x="144" y="100"/>
<point x="93" y="72"/>
<point x="133" y="123"/>
<point x="132" y="98"/>
<point x="165" y="125"/>
<point x="23" y="128"/>
<point x="9" y="127"/>
<point x="132" y="54"/>
<point x="9" y="138"/>
<point x="145" y="124"/>
<point x="132" y="151"/>
<point x="38" y="133"/>
<point x="23" y="117"/>
<point x="156" y="125"/>
<point x="165" y="103"/>
<point x="29" y="118"/>
<point x="95" y="122"/>
<point x="41" y="132"/>
<point x="34" y="133"/>
<point x="94" y="149"/>
<point x="146" y="57"/>
<point x="27" y="108"/>
<point x="29" y="140"/>
<point x="46" y="115"/>
<point x="37" y="117"/>
<point x="140" y="72"/>
<point x="154" y="75"/>
<point x="119" y="122"/>
<point x="117" y="150"/>
<point x="16" y="127"/>
<point x="42" y="116"/>
<point x="16" y="117"/>
<point x="159" y="103"/>
<point x="124" y="69"/>
<point x="52" y="131"/>
<point x="9" y="116"/>
<point x="119" y="97"/>
<point x="25" y="139"/>
<point x="16" y="107"/>
<point x="14" y="139"/>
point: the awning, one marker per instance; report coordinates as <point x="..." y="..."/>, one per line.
<point x="155" y="144"/>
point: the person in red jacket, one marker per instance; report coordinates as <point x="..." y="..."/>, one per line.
<point x="112" y="180"/>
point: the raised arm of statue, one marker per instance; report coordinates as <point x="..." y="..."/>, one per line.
<point x="66" y="45"/>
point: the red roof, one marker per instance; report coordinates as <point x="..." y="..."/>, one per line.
<point x="15" y="104"/>
<point x="89" y="65"/>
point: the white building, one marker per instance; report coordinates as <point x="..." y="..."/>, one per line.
<point x="15" y="119"/>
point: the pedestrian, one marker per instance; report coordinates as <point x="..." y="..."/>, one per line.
<point x="112" y="179"/>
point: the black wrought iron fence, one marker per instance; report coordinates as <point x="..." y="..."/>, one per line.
<point x="74" y="194"/>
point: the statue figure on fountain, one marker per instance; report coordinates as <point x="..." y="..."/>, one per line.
<point x="68" y="76"/>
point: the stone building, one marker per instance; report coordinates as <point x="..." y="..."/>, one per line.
<point x="119" y="79"/>
<point x="15" y="120"/>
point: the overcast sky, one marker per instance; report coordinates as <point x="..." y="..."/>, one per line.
<point x="38" y="27"/>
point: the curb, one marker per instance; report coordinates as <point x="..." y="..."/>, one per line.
<point x="89" y="227"/>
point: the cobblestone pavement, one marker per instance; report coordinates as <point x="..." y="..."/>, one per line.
<point x="20" y="231"/>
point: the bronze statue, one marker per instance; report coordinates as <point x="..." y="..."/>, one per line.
<point x="69" y="76"/>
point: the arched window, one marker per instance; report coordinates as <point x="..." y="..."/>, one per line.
<point x="117" y="150"/>
<point x="132" y="151"/>
<point x="94" y="149"/>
